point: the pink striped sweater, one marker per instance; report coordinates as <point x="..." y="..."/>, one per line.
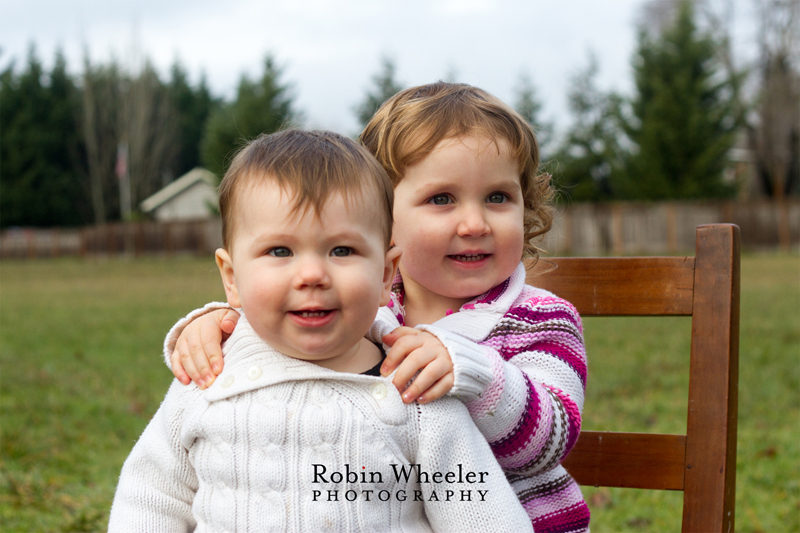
<point x="520" y="366"/>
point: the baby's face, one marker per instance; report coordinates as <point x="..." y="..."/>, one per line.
<point x="309" y="285"/>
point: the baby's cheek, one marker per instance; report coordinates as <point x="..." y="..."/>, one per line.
<point x="261" y="296"/>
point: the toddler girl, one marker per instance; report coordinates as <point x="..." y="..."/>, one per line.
<point x="468" y="202"/>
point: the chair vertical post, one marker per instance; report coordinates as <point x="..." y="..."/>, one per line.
<point x="710" y="471"/>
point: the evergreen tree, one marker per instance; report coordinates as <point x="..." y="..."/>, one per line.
<point x="40" y="148"/>
<point x="385" y="86"/>
<point x="527" y="104"/>
<point x="260" y="107"/>
<point x="684" y="115"/>
<point x="590" y="157"/>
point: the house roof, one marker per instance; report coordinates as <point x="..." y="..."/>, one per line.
<point x="177" y="187"/>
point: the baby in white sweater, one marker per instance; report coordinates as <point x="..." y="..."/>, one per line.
<point x="300" y="432"/>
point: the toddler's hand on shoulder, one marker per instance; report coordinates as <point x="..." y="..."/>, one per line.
<point x="198" y="351"/>
<point x="418" y="351"/>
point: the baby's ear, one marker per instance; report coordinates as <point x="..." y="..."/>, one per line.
<point x="225" y="264"/>
<point x="389" y="272"/>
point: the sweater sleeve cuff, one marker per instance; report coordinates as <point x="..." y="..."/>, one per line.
<point x="471" y="367"/>
<point x="385" y="323"/>
<point x="172" y="337"/>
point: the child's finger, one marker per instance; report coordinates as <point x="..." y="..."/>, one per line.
<point x="400" y="350"/>
<point x="396" y="333"/>
<point x="416" y="361"/>
<point x="439" y="389"/>
<point x="177" y="368"/>
<point x="229" y="321"/>
<point x="197" y="353"/>
<point x="186" y="362"/>
<point x="432" y="370"/>
<point x="211" y="354"/>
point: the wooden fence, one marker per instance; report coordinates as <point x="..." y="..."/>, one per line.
<point x="627" y="228"/>
<point x="582" y="229"/>
<point x="196" y="237"/>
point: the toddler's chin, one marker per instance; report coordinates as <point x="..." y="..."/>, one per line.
<point x="467" y="293"/>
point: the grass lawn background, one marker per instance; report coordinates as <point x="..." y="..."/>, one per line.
<point x="81" y="374"/>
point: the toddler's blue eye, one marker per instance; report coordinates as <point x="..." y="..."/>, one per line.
<point x="280" y="251"/>
<point x="496" y="198"/>
<point x="440" y="199"/>
<point x="341" y="251"/>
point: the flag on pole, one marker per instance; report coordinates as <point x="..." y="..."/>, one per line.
<point x="121" y="168"/>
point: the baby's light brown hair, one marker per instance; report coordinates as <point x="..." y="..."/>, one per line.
<point x="409" y="125"/>
<point x="310" y="165"/>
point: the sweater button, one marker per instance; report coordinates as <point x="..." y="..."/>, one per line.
<point x="254" y="372"/>
<point x="379" y="391"/>
<point x="227" y="382"/>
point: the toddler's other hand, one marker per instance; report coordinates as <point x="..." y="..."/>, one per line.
<point x="198" y="352"/>
<point x="412" y="351"/>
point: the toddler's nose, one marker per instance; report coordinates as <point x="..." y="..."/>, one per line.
<point x="473" y="222"/>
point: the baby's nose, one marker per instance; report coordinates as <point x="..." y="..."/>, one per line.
<point x="311" y="272"/>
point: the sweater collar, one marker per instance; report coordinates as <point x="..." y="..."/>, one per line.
<point x="251" y="363"/>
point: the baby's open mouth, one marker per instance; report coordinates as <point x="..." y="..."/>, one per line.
<point x="312" y="314"/>
<point x="469" y="257"/>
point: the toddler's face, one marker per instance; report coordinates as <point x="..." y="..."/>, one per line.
<point x="310" y="285"/>
<point x="458" y="217"/>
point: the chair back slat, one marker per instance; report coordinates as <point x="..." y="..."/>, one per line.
<point x="632" y="460"/>
<point x="607" y="286"/>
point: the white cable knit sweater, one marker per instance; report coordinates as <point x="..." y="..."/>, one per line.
<point x="241" y="456"/>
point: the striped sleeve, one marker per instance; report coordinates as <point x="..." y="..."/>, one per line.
<point x="531" y="410"/>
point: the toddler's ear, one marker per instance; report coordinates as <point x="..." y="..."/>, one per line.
<point x="389" y="272"/>
<point x="225" y="265"/>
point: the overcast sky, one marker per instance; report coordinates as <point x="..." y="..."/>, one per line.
<point x="331" y="49"/>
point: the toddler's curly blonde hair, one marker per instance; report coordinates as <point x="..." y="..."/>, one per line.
<point x="410" y="125"/>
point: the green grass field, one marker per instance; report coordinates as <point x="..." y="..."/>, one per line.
<point x="81" y="374"/>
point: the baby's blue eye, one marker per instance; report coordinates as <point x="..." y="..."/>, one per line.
<point x="280" y="251"/>
<point x="341" y="251"/>
<point x="496" y="198"/>
<point x="440" y="199"/>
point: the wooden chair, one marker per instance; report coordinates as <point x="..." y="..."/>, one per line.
<point x="701" y="463"/>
